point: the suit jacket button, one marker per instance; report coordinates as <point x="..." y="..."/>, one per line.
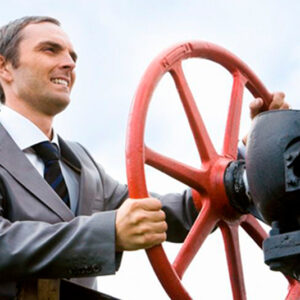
<point x="96" y="268"/>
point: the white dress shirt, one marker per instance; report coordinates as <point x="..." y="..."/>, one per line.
<point x="26" y="134"/>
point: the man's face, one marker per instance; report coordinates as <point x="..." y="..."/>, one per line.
<point x="45" y="74"/>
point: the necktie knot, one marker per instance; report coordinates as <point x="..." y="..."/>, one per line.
<point x="47" y="151"/>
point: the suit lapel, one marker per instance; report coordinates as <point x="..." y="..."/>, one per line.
<point x="17" y="164"/>
<point x="89" y="187"/>
<point x="88" y="192"/>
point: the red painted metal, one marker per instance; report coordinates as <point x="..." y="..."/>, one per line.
<point x="207" y="182"/>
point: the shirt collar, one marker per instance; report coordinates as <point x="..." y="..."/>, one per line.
<point x="24" y="133"/>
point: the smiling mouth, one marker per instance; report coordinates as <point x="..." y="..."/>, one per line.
<point x="60" y="81"/>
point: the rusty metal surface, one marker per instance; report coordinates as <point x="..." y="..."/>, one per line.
<point x="207" y="182"/>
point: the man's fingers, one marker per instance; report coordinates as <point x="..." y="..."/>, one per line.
<point x="150" y="240"/>
<point x="147" y="203"/>
<point x="255" y="107"/>
<point x="144" y="216"/>
<point x="140" y="223"/>
<point x="156" y="216"/>
<point x="277" y="101"/>
<point x="285" y="106"/>
<point x="154" y="227"/>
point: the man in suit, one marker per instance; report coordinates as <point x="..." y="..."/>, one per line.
<point x="42" y="236"/>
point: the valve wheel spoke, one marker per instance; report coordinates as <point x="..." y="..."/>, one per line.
<point x="203" y="226"/>
<point x="234" y="261"/>
<point x="254" y="229"/>
<point x="204" y="145"/>
<point x="186" y="174"/>
<point x="234" y="115"/>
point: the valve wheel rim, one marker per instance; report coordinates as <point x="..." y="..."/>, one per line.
<point x="212" y="210"/>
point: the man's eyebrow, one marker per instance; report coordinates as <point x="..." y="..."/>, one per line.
<point x="56" y="46"/>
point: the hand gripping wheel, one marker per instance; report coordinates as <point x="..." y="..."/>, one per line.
<point x="207" y="182"/>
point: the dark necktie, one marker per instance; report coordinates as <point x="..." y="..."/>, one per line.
<point x="50" y="155"/>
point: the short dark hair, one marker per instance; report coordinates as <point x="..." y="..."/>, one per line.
<point x="11" y="36"/>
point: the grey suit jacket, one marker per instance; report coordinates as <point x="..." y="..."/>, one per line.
<point x="40" y="237"/>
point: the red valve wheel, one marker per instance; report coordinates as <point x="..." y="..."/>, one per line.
<point x="207" y="182"/>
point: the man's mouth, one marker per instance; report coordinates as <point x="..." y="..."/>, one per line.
<point x="60" y="81"/>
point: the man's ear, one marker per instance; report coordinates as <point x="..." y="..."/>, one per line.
<point x="5" y="70"/>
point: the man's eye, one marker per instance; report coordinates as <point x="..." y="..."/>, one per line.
<point x="49" y="49"/>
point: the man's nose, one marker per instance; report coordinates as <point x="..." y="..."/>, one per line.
<point x="68" y="62"/>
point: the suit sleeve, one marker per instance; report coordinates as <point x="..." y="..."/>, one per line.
<point x="179" y="207"/>
<point x="81" y="247"/>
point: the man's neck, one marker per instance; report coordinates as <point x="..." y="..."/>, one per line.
<point x="42" y="121"/>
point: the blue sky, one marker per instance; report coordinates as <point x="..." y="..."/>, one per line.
<point x="116" y="40"/>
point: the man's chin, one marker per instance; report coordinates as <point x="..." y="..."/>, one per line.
<point x="57" y="105"/>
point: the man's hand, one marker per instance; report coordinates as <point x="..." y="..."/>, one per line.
<point x="257" y="104"/>
<point x="140" y="224"/>
<point x="276" y="103"/>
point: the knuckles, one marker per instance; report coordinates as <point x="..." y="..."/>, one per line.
<point x="165" y="226"/>
<point x="141" y="216"/>
<point x="151" y="228"/>
<point x="150" y="240"/>
<point x="151" y="204"/>
<point x="156" y="203"/>
<point x="162" y="215"/>
<point x="133" y="204"/>
<point x="138" y="218"/>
